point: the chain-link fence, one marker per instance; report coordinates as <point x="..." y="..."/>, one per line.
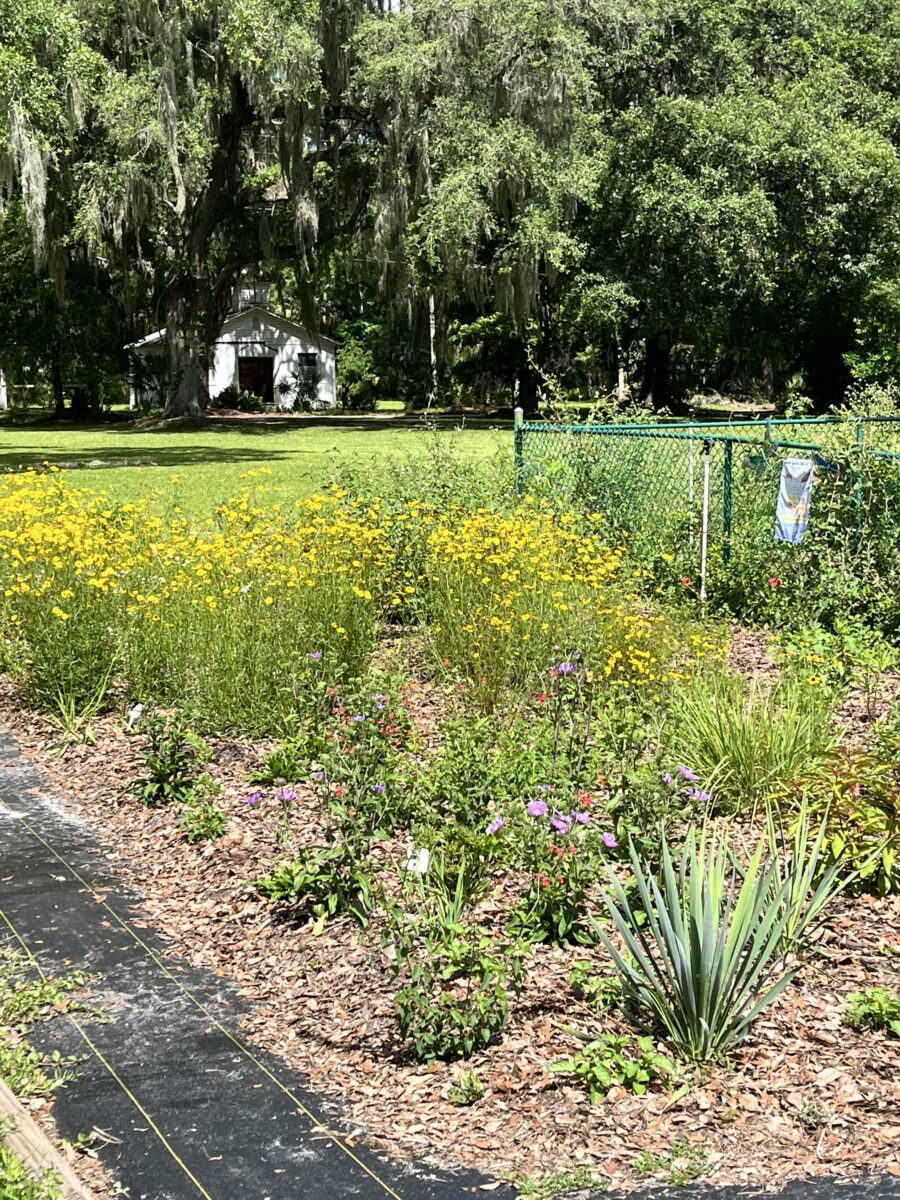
<point x="659" y="487"/>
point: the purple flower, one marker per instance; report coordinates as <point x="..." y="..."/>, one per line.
<point x="560" y="824"/>
<point x="688" y="774"/>
<point x="378" y="789"/>
<point x="537" y="808"/>
<point x="381" y="700"/>
<point x="286" y="795"/>
<point x="667" y="779"/>
<point x="358" y="717"/>
<point x="698" y="795"/>
<point x="253" y="798"/>
<point x="496" y="825"/>
<point x="316" y="656"/>
<point x="565" y="668"/>
<point x="609" y="841"/>
<point x="582" y="818"/>
<point x="318" y="776"/>
<point x="545" y="787"/>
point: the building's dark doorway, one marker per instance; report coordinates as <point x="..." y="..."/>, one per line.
<point x="257" y="375"/>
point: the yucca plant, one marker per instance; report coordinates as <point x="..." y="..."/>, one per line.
<point x="704" y="943"/>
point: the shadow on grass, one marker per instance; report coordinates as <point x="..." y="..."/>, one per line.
<point x="116" y="452"/>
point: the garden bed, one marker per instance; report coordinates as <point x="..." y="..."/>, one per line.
<point x="804" y="1095"/>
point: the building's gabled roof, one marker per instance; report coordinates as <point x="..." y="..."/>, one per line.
<point x="158" y="337"/>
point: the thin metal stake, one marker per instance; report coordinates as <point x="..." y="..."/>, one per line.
<point x="704" y="529"/>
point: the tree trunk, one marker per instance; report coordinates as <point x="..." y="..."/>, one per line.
<point x="655" y="385"/>
<point x="188" y="384"/>
<point x="56" y="380"/>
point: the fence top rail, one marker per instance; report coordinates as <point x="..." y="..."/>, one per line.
<point x="638" y="427"/>
<point x="654" y="431"/>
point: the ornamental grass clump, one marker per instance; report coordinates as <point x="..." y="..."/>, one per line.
<point x="703" y="943"/>
<point x="751" y="741"/>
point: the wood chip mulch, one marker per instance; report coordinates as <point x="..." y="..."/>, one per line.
<point x="804" y="1096"/>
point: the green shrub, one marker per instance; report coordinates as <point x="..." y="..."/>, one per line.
<point x="863" y="820"/>
<point x="612" y="1061"/>
<point x="875" y="1008"/>
<point x="456" y="999"/>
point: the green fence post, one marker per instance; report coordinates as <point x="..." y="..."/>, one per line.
<point x="519" y="435"/>
<point x="858" y="490"/>
<point x="727" y="496"/>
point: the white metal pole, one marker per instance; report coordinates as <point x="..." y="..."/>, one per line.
<point x="704" y="529"/>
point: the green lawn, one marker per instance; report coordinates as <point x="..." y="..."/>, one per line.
<point x="209" y="461"/>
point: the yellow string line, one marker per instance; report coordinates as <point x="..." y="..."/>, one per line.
<point x="235" y="1041"/>
<point x="93" y="1047"/>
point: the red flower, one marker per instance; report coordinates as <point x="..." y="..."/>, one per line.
<point x="542" y="698"/>
<point x="543" y="881"/>
<point x="686" y="581"/>
<point x="339" y="791"/>
<point x="774" y="581"/>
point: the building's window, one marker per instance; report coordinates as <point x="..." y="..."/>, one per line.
<point x="308" y="364"/>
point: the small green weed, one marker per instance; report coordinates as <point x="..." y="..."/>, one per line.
<point x="574" y="1183"/>
<point x="875" y="1008"/>
<point x="203" y="820"/>
<point x="813" y="1114"/>
<point x="682" y="1163"/>
<point x="24" y="1002"/>
<point x="614" y="1061"/>
<point x="468" y="1088"/>
<point x="600" y="992"/>
<point x="288" y="764"/>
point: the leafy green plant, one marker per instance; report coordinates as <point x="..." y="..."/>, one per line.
<point x="467" y="1089"/>
<point x="875" y="1008"/>
<point x="749" y="741"/>
<point x="287" y="764"/>
<point x="24" y="1002"/>
<point x="613" y="1061"/>
<point x="704" y="944"/>
<point x="203" y="820"/>
<point x="172" y="760"/>
<point x="357" y="768"/>
<point x="328" y="881"/>
<point x="562" y="851"/>
<point x="600" y="992"/>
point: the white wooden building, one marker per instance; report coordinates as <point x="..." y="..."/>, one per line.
<point x="256" y="351"/>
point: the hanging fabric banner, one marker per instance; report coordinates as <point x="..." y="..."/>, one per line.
<point x="794" y="497"/>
